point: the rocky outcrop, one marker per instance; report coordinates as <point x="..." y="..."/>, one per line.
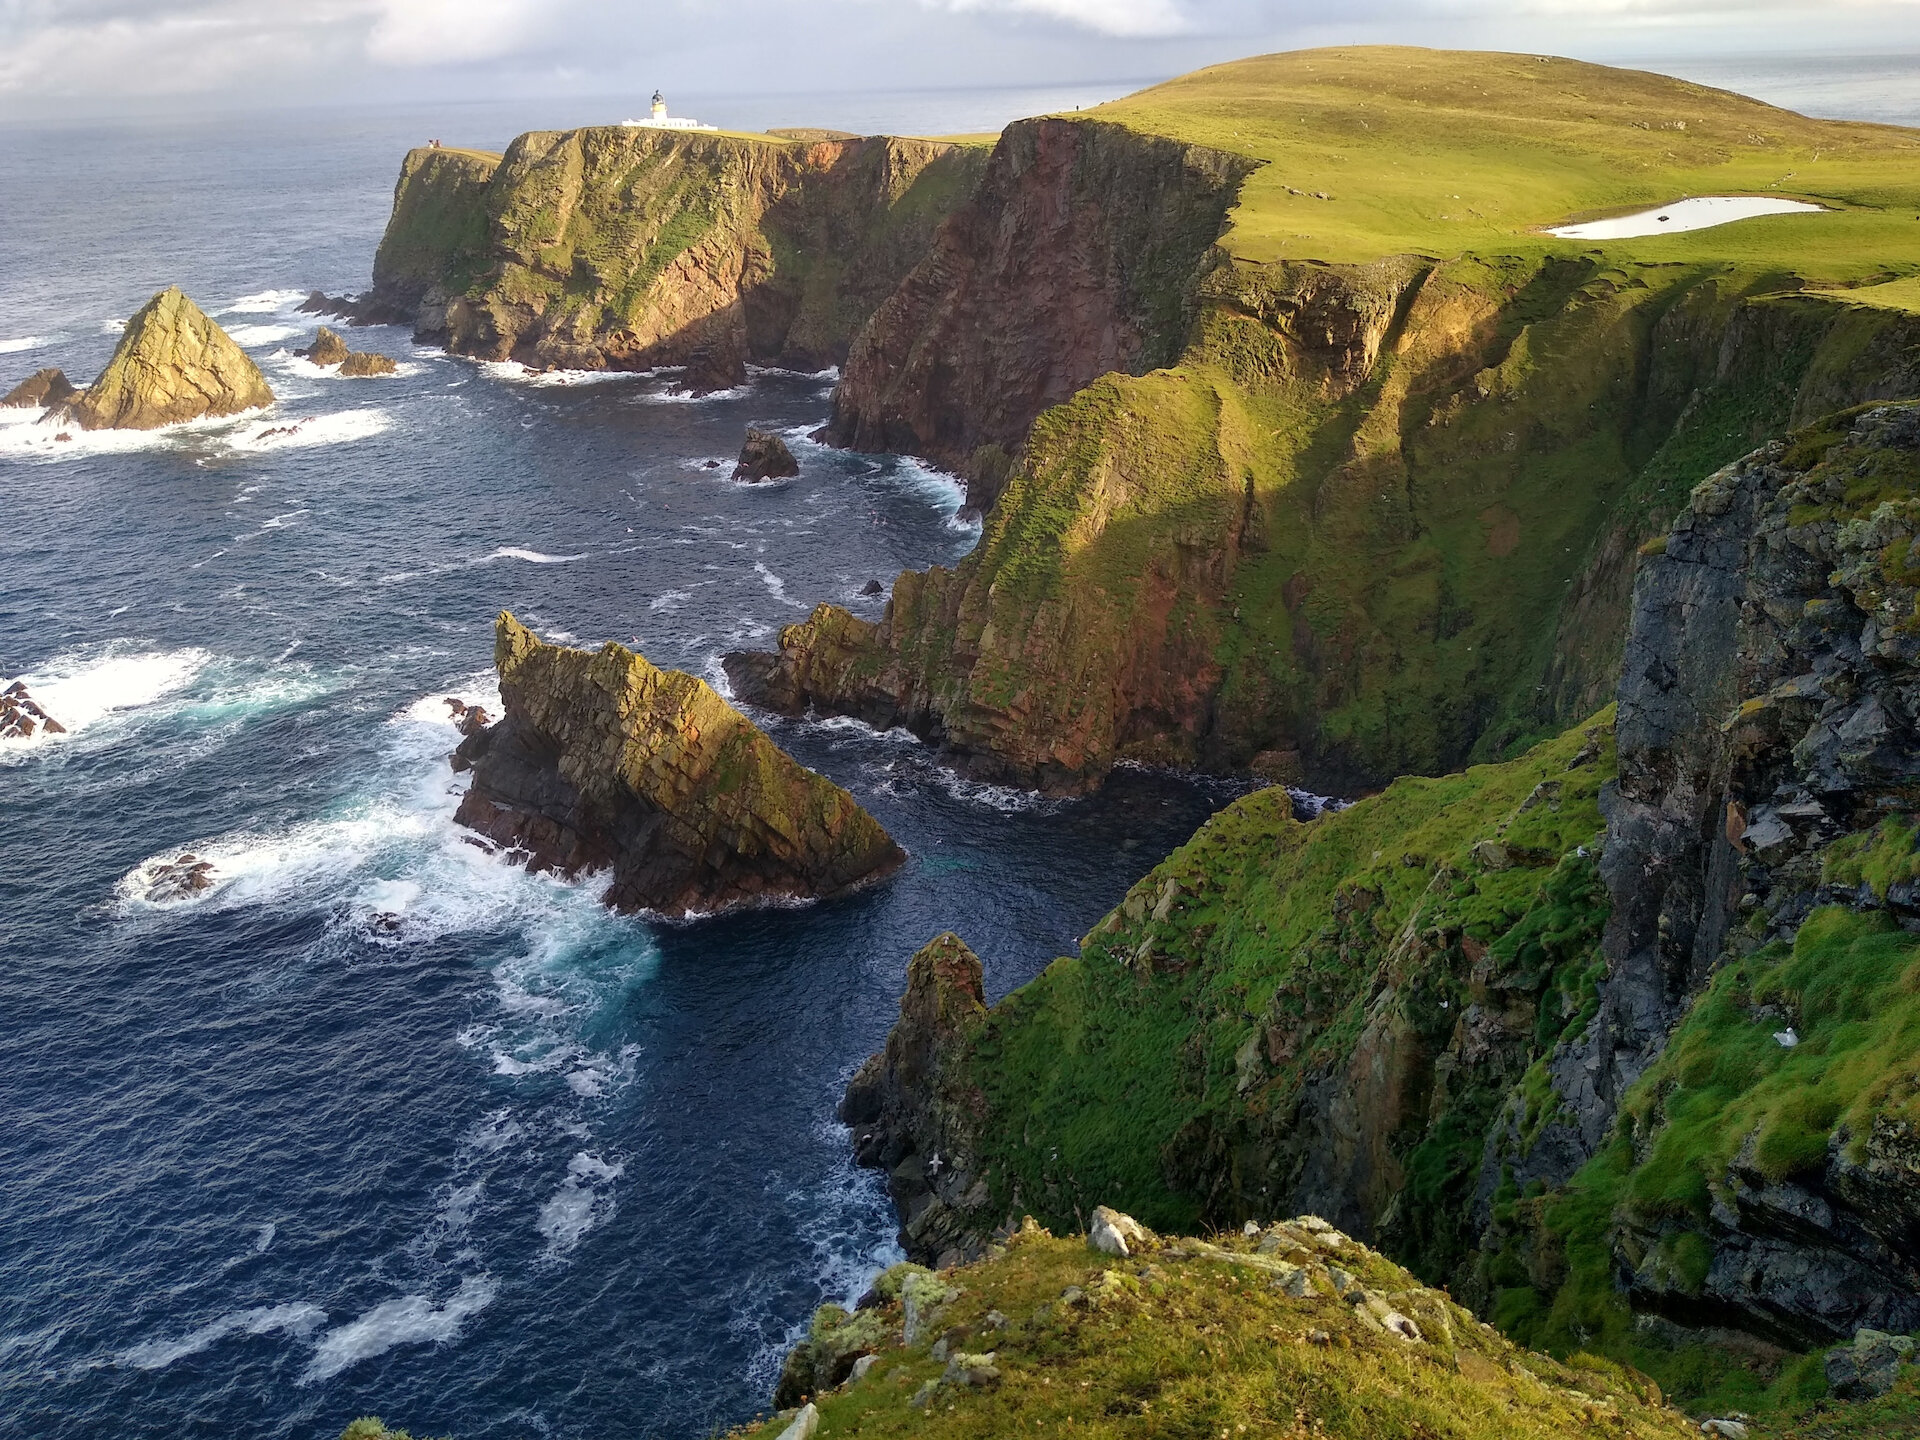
<point x="172" y="364"/>
<point x="914" y="1111"/>
<point x="1081" y="253"/>
<point x="1769" y="741"/>
<point x="765" y="456"/>
<point x="364" y="364"/>
<point x="624" y="248"/>
<point x="42" y="389"/>
<point x="21" y="716"/>
<point x="327" y="348"/>
<point x="603" y="762"/>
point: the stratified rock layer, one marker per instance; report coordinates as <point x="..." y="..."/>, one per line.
<point x="172" y="363"/>
<point x="603" y="761"/>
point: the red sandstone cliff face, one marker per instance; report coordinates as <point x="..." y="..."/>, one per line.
<point x="1080" y="253"/>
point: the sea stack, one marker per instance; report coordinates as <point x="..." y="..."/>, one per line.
<point x="765" y="456"/>
<point x="603" y="761"/>
<point x="42" y="388"/>
<point x="172" y="364"/>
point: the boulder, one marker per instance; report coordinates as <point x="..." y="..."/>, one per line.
<point x="327" y="348"/>
<point x="603" y="761"/>
<point x="181" y="879"/>
<point x="172" y="364"/>
<point x="765" y="456"/>
<point x="1114" y="1233"/>
<point x="362" y="364"/>
<point x="43" y="388"/>
<point x="1868" y="1367"/>
<point x="873" y="587"/>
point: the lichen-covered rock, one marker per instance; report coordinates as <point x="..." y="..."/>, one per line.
<point x="327" y="348"/>
<point x="1869" y="1366"/>
<point x="42" y="388"/>
<point x="913" y="1110"/>
<point x="765" y="456"/>
<point x="173" y="363"/>
<point x="363" y="364"/>
<point x="603" y="761"/>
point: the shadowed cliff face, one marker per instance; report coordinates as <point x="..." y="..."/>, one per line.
<point x="623" y="248"/>
<point x="1080" y="253"/>
<point x="604" y="762"/>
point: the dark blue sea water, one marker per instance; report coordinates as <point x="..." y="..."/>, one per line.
<point x="521" y="1167"/>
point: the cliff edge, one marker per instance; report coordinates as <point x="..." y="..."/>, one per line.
<point x="603" y="761"/>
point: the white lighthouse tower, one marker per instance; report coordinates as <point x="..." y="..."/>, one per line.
<point x="658" y="119"/>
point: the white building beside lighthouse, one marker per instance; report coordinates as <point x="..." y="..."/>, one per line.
<point x="658" y="119"/>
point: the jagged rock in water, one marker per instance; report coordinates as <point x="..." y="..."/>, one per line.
<point x="603" y="761"/>
<point x="327" y="348"/>
<point x="912" y="1112"/>
<point x="363" y="364"/>
<point x="180" y="879"/>
<point x="42" y="388"/>
<point x="765" y="456"/>
<point x="21" y="717"/>
<point x="873" y="587"/>
<point x="172" y="364"/>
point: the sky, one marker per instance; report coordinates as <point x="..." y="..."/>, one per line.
<point x="68" y="57"/>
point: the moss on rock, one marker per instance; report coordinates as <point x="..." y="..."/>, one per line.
<point x="173" y="363"/>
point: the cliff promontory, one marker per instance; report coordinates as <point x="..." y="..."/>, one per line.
<point x="1307" y="452"/>
<point x="603" y="762"/>
<point x="626" y="248"/>
<point x="173" y="363"/>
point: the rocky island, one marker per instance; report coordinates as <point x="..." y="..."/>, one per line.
<point x="173" y="363"/>
<point x="604" y="762"/>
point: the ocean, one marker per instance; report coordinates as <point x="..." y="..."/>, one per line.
<point x="511" y="1165"/>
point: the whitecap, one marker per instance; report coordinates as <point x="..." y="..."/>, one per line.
<point x="112" y="327"/>
<point x="692" y="397"/>
<point x="580" y="1203"/>
<point x="776" y="586"/>
<point x="532" y="557"/>
<point x="25" y="342"/>
<point x="263" y="302"/>
<point x="339" y="428"/>
<point x="81" y="688"/>
<point x="409" y="1320"/>
<point x="261" y="334"/>
<point x="299" y="1320"/>
<point x="1702" y="213"/>
<point x="670" y="600"/>
<point x="515" y="373"/>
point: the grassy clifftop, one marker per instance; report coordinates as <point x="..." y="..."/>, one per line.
<point x="1447" y="152"/>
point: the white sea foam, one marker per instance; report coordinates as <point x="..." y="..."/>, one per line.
<point x="776" y="586"/>
<point x="112" y="327"/>
<point x="263" y="302"/>
<point x="1683" y="215"/>
<point x="339" y="428"/>
<point x="532" y="557"/>
<point x="692" y="397"/>
<point x="410" y="1320"/>
<point x="581" y="1202"/>
<point x="515" y="373"/>
<point x="82" y="688"/>
<point x="669" y="600"/>
<point x="25" y="342"/>
<point x="250" y="335"/>
<point x="299" y="1320"/>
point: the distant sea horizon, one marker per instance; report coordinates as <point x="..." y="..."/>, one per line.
<point x="1883" y="89"/>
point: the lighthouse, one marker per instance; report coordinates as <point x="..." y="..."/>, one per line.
<point x="659" y="107"/>
<point x="658" y="119"/>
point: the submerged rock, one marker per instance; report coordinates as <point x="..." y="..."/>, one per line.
<point x="361" y="364"/>
<point x="327" y="348"/>
<point x="765" y="456"/>
<point x="603" y="761"/>
<point x="42" y="388"/>
<point x="172" y="364"/>
<point x="21" y="717"/>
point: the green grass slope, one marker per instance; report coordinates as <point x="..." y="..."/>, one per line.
<point x="1445" y="152"/>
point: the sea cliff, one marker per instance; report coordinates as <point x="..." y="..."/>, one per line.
<point x="620" y="248"/>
